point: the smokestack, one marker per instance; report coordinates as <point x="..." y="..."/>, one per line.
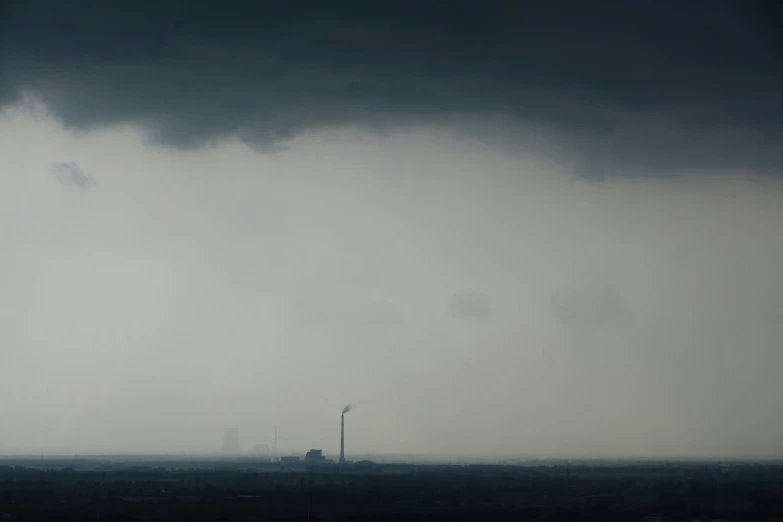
<point x="342" y="432"/>
<point x="342" y="438"/>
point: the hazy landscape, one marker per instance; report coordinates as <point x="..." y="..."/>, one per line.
<point x="529" y="252"/>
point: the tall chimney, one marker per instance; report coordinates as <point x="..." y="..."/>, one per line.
<point x="342" y="438"/>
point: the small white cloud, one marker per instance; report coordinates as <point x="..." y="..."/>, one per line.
<point x="71" y="174"/>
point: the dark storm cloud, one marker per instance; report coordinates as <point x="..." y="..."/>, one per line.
<point x="71" y="174"/>
<point x="596" y="304"/>
<point x="619" y="87"/>
<point x="469" y="305"/>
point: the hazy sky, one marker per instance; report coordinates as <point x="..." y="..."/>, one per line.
<point x="536" y="230"/>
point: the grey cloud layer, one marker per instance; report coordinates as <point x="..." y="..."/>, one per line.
<point x="622" y="88"/>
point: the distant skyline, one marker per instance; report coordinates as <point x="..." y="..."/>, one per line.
<point x="537" y="228"/>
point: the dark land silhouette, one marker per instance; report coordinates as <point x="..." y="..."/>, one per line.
<point x="74" y="489"/>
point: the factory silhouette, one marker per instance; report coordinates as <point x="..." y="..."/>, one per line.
<point x="314" y="457"/>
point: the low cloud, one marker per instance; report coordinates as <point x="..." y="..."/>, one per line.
<point x="592" y="305"/>
<point x="380" y="313"/>
<point x="71" y="174"/>
<point x="469" y="305"/>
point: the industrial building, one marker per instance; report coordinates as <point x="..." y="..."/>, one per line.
<point x="315" y="456"/>
<point x="290" y="459"/>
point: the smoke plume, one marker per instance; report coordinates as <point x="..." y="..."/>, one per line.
<point x="348" y="408"/>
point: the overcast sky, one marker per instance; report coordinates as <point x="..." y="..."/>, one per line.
<point x="518" y="228"/>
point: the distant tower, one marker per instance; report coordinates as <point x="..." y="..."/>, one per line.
<point x="231" y="440"/>
<point x="342" y="438"/>
<point x="275" y="456"/>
